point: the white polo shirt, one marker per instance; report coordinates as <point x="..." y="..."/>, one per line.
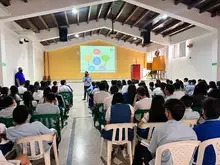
<point x="170" y="97"/>
<point x="179" y="94"/>
<point x="158" y="91"/>
<point x="21" y="90"/>
<point x="108" y="102"/>
<point x="64" y="88"/>
<point x="38" y="95"/>
<point x="99" y="97"/>
<point x="143" y="104"/>
<point x="47" y="108"/>
<point x="7" y="112"/>
<point x="191" y="115"/>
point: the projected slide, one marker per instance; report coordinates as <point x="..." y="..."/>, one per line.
<point x="97" y="59"/>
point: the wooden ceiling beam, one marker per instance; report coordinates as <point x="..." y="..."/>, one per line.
<point x="91" y="32"/>
<point x="32" y="26"/>
<point x="176" y="2"/>
<point x="128" y="39"/>
<point x="120" y="11"/>
<point x="178" y="28"/>
<point x="77" y="18"/>
<point x="84" y="34"/>
<point x="109" y="9"/>
<point x="99" y="12"/>
<point x="167" y="27"/>
<point x="150" y="21"/>
<point x="100" y="30"/>
<point x="66" y="18"/>
<point x="44" y="22"/>
<point x="192" y="26"/>
<point x="160" y="22"/>
<point x="194" y="3"/>
<point x="55" y="20"/>
<point x="131" y="14"/>
<point x="89" y="13"/>
<point x="140" y="18"/>
<point x="47" y="42"/>
<point x="108" y="33"/>
<point x="210" y="6"/>
<point x="123" y="36"/>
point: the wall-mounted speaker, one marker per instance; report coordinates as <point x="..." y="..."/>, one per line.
<point x="63" y="32"/>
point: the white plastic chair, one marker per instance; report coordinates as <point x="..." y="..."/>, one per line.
<point x="216" y="145"/>
<point x="182" y="152"/>
<point x="29" y="142"/>
<point x="114" y="128"/>
<point x="190" y="123"/>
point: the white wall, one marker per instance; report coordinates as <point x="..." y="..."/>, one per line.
<point x="197" y="63"/>
<point x="39" y="63"/>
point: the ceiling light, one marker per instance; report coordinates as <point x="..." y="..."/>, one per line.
<point x="164" y="16"/>
<point x="74" y="11"/>
<point x="134" y="38"/>
<point x="76" y="35"/>
<point x="160" y="26"/>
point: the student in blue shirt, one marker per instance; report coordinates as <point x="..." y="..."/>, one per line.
<point x="19" y="77"/>
<point x="210" y="128"/>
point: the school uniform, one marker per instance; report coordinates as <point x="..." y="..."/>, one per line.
<point x="99" y="97"/>
<point x="143" y="104"/>
<point x="170" y="97"/>
<point x="38" y="95"/>
<point x="64" y="88"/>
<point x="179" y="94"/>
<point x="7" y="112"/>
<point x="108" y="102"/>
<point x="190" y="115"/>
<point x="47" y="108"/>
<point x="158" y="91"/>
<point x="21" y="90"/>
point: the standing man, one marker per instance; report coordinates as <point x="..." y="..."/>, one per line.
<point x="87" y="83"/>
<point x="19" y="77"/>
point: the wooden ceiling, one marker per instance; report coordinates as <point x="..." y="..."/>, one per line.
<point x="123" y="12"/>
<point x="211" y="6"/>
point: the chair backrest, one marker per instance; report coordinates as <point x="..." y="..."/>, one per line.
<point x="29" y="145"/>
<point x="216" y="145"/>
<point x="68" y="97"/>
<point x="151" y="127"/>
<point x="7" y="121"/>
<point x="122" y="128"/>
<point x="197" y="109"/>
<point x="139" y="114"/>
<point x="181" y="152"/>
<point x="49" y="120"/>
<point x="190" y="123"/>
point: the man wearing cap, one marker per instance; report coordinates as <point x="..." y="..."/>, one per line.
<point x="19" y="77"/>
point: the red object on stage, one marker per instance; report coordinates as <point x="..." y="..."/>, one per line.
<point x="136" y="72"/>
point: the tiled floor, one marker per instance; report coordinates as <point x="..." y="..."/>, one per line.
<point x="80" y="140"/>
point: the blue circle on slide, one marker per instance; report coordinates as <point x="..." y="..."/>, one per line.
<point x="91" y="68"/>
<point x="96" y="60"/>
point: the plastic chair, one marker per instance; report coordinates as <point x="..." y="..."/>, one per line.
<point x="139" y="114"/>
<point x="182" y="152"/>
<point x="7" y="121"/>
<point x="190" y="123"/>
<point x="216" y="145"/>
<point x="68" y="97"/>
<point x="31" y="143"/>
<point x="118" y="141"/>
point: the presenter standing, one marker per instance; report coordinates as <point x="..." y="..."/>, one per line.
<point x="87" y="80"/>
<point x="19" y="77"/>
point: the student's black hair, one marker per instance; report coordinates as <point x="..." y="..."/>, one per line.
<point x="131" y="93"/>
<point x="114" y="89"/>
<point x="106" y="85"/>
<point x="54" y="89"/>
<point x="212" y="85"/>
<point x="176" y="86"/>
<point x="158" y="81"/>
<point x="176" y="108"/>
<point x="200" y="89"/>
<point x="181" y="84"/>
<point x="14" y="91"/>
<point x="47" y="91"/>
<point x="102" y="86"/>
<point x="215" y="93"/>
<point x="27" y="83"/>
<point x="8" y="101"/>
<point x="167" y="81"/>
<point x="97" y="84"/>
<point x="20" y="114"/>
<point x="129" y="82"/>
<point x="186" y="79"/>
<point x="28" y="98"/>
<point x="200" y="80"/>
<point x="187" y="100"/>
<point x="43" y="85"/>
<point x="157" y="85"/>
<point x="170" y="88"/>
<point x="205" y="83"/>
<point x="142" y="83"/>
<point x="5" y="91"/>
<point x="193" y="82"/>
<point x="177" y="80"/>
<point x="32" y="89"/>
<point x="48" y="83"/>
<point x="171" y="82"/>
<point x="157" y="110"/>
<point x="211" y="107"/>
<point x="118" y="99"/>
<point x="141" y="91"/>
<point x="93" y="83"/>
<point x="119" y="84"/>
<point x="151" y="84"/>
<point x="54" y="83"/>
<point x="50" y="97"/>
<point x="37" y="85"/>
<point x="124" y="82"/>
<point x="163" y="86"/>
<point x="62" y="82"/>
<point x="114" y="82"/>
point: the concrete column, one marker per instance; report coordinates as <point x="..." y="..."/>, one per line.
<point x="215" y="55"/>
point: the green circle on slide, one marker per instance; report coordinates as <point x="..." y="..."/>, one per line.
<point x="105" y="58"/>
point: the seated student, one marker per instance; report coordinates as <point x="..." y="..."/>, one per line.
<point x="4" y="92"/>
<point x="130" y="95"/>
<point x="49" y="83"/>
<point x="27" y="84"/>
<point x="28" y="100"/>
<point x="125" y="87"/>
<point x="54" y="83"/>
<point x="14" y="93"/>
<point x="189" y="113"/>
<point x="100" y="96"/>
<point x="158" y="90"/>
<point x="64" y="87"/>
<point x="31" y="88"/>
<point x="212" y="86"/>
<point x="151" y="85"/>
<point x="21" y="89"/>
<point x="208" y="129"/>
<point x="38" y="94"/>
<point x="169" y="90"/>
<point x="178" y="93"/>
<point x="59" y="97"/>
<point x="190" y="87"/>
<point x="47" y="90"/>
<point x="24" y="129"/>
<point x="43" y="85"/>
<point x="106" y="85"/>
<point x="145" y="102"/>
<point x="119" y="85"/>
<point x="156" y="114"/>
<point x="49" y="106"/>
<point x="199" y="94"/>
<point x="108" y="100"/>
<point x="97" y="84"/>
<point x="171" y="131"/>
<point x="10" y="105"/>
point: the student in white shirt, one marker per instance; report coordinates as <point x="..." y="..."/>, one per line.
<point x="28" y="100"/>
<point x="14" y="93"/>
<point x="10" y="106"/>
<point x="64" y="87"/>
<point x="38" y="94"/>
<point x="169" y="90"/>
<point x="108" y="100"/>
<point x="125" y="87"/>
<point x="21" y="89"/>
<point x="172" y="131"/>
<point x="158" y="90"/>
<point x="178" y="93"/>
<point x="49" y="106"/>
<point x="100" y="96"/>
<point x="189" y="113"/>
<point x="143" y="96"/>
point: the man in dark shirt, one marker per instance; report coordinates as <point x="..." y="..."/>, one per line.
<point x="19" y="77"/>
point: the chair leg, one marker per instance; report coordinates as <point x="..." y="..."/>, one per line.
<point x="134" y="140"/>
<point x="56" y="155"/>
<point x="47" y="158"/>
<point x="130" y="152"/>
<point x="101" y="147"/>
<point x="109" y="152"/>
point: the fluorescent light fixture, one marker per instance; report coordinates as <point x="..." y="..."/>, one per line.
<point x="164" y="16"/>
<point x="76" y="35"/>
<point x="134" y="38"/>
<point x="74" y="11"/>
